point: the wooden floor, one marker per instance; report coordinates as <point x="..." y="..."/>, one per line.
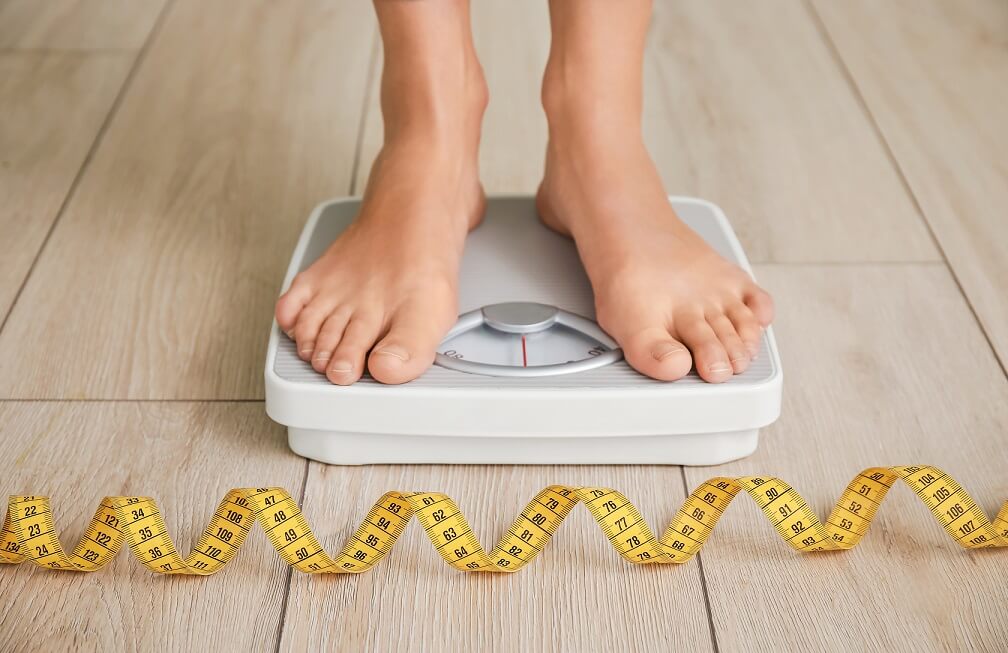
<point x="157" y="161"/>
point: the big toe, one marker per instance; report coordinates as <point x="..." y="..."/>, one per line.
<point x="653" y="352"/>
<point x="408" y="349"/>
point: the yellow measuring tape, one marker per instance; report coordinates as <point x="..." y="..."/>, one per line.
<point x="29" y="531"/>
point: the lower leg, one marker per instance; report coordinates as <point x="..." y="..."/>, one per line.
<point x="661" y="292"/>
<point x="384" y="293"/>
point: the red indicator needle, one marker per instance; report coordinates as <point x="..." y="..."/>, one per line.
<point x="524" y="353"/>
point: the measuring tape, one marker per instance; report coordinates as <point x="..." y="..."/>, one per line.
<point x="29" y="531"/>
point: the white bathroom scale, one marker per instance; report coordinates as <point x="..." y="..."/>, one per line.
<point x="526" y="375"/>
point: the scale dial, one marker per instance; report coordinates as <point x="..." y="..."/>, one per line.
<point x="525" y="339"/>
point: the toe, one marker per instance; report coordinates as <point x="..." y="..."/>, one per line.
<point x="347" y="361"/>
<point x="306" y="330"/>
<point x="652" y="351"/>
<point x="408" y="348"/>
<point x="747" y="327"/>
<point x="709" y="355"/>
<point x="761" y="305"/>
<point x="328" y="337"/>
<point x="738" y="353"/>
<point x="289" y="306"/>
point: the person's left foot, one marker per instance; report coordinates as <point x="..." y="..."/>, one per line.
<point x="661" y="292"/>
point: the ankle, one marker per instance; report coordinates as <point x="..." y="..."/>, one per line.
<point x="583" y="108"/>
<point x="442" y="103"/>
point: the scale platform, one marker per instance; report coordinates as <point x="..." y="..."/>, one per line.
<point x="522" y="284"/>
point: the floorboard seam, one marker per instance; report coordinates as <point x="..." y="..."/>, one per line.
<point x="904" y="180"/>
<point x="85" y="164"/>
<point x="290" y="568"/>
<point x="703" y="577"/>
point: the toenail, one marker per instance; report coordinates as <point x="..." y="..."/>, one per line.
<point x="322" y="356"/>
<point x="340" y="367"/>
<point x="738" y="356"/>
<point x="664" y="352"/>
<point x="398" y="352"/>
<point x="289" y="334"/>
<point x="717" y="368"/>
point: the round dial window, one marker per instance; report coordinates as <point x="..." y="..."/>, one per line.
<point x="525" y="339"/>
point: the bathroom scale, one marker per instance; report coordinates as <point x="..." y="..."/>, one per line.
<point x="525" y="376"/>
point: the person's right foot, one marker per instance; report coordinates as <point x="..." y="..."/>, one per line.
<point x="385" y="292"/>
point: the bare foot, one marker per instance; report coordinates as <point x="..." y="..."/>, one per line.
<point x="666" y="297"/>
<point x="384" y="294"/>
<point x="660" y="291"/>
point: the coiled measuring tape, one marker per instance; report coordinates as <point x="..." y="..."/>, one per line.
<point x="29" y="532"/>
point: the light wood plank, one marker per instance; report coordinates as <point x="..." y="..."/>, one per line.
<point x="169" y="258"/>
<point x="187" y="456"/>
<point x="746" y="107"/>
<point x="53" y="106"/>
<point x="512" y="40"/>
<point x="76" y="24"/>
<point x="884" y="366"/>
<point x="578" y="595"/>
<point x="935" y="76"/>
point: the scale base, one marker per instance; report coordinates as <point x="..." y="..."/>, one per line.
<point x="342" y="448"/>
<point x="607" y="415"/>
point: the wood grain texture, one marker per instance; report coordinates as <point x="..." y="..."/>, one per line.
<point x="578" y="595"/>
<point x="53" y="106"/>
<point x="186" y="456"/>
<point x="76" y="24"/>
<point x="512" y="40"/>
<point x="160" y="278"/>
<point x="884" y="366"/>
<point x="935" y="76"/>
<point x="746" y="107"/>
<point x="243" y="116"/>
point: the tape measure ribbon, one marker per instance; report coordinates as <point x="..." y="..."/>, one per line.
<point x="29" y="530"/>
